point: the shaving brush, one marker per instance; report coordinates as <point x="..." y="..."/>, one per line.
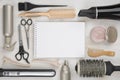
<point x="95" y="68"/>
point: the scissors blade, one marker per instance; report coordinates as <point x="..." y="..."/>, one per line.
<point x="20" y="35"/>
<point x="27" y="37"/>
<point x="28" y="42"/>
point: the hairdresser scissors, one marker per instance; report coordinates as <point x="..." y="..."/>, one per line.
<point x="27" y="22"/>
<point x="22" y="53"/>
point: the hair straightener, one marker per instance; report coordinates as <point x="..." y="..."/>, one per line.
<point x="102" y="12"/>
<point x="27" y="73"/>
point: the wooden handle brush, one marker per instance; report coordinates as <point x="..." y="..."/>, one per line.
<point x="98" y="52"/>
<point x="52" y="13"/>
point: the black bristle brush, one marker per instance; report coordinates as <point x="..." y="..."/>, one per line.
<point x="95" y="68"/>
<point x="26" y="6"/>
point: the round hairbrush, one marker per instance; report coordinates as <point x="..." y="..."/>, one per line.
<point x="95" y="68"/>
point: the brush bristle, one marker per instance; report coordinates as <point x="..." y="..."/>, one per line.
<point x="91" y="68"/>
<point x="21" y="6"/>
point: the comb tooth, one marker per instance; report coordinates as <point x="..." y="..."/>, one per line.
<point x="92" y="68"/>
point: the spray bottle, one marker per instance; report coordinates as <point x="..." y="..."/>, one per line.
<point x="8" y="27"/>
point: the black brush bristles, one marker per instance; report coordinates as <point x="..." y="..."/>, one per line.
<point x="21" y="6"/>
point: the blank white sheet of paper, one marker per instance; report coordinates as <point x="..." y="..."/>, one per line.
<point x="59" y="39"/>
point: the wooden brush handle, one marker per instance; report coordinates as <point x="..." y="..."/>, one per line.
<point x="61" y="13"/>
<point x="52" y="14"/>
<point x="109" y="53"/>
<point x="33" y="14"/>
<point x="97" y="53"/>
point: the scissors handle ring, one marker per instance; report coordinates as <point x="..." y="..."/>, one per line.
<point x="29" y="21"/>
<point x="25" y="56"/>
<point x="18" y="56"/>
<point x="23" y="22"/>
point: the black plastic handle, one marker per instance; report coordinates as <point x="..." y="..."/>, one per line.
<point x="109" y="6"/>
<point x="110" y="68"/>
<point x="102" y="12"/>
<point x="108" y="16"/>
<point x="109" y="12"/>
<point x="116" y="68"/>
<point x="31" y="6"/>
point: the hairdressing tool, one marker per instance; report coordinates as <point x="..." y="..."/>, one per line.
<point x="112" y="34"/>
<point x="95" y="68"/>
<point x="22" y="53"/>
<point x="65" y="72"/>
<point x="27" y="73"/>
<point x="100" y="34"/>
<point x="8" y="27"/>
<point x="102" y="12"/>
<point x="99" y="52"/>
<point x="26" y="6"/>
<point x="27" y="22"/>
<point x="52" y="13"/>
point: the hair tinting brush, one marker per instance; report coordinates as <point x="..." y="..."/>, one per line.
<point x="26" y="6"/>
<point x="102" y="12"/>
<point x="95" y="68"/>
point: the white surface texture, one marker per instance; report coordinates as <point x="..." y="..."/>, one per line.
<point x="77" y="4"/>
